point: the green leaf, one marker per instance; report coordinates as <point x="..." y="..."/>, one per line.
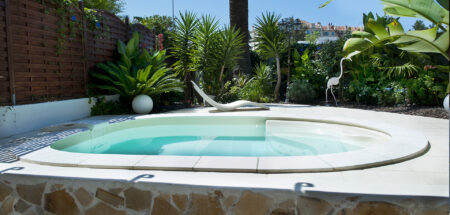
<point x="378" y="29"/>
<point x="296" y="55"/>
<point x="422" y="46"/>
<point x="101" y="77"/>
<point x="443" y="42"/>
<point x="131" y="46"/>
<point x="325" y="4"/>
<point x="365" y="34"/>
<point x="121" y="47"/>
<point x="395" y="28"/>
<point x="405" y="39"/>
<point x="422" y="9"/>
<point x="355" y="44"/>
<point x="444" y="3"/>
<point x="428" y="34"/>
<point x="142" y="74"/>
<point x="136" y="39"/>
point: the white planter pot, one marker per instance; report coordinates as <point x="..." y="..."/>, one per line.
<point x="142" y="104"/>
<point x="446" y="103"/>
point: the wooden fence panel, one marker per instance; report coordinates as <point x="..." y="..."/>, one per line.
<point x="102" y="43"/>
<point x="31" y="66"/>
<point x="34" y="33"/>
<point x="148" y="36"/>
<point x="5" y="94"/>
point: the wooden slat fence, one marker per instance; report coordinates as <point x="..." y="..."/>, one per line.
<point x="31" y="70"/>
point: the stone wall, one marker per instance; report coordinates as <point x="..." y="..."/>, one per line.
<point x="39" y="195"/>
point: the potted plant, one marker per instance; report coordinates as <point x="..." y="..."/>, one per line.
<point x="137" y="76"/>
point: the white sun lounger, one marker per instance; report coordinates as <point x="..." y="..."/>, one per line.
<point x="227" y="107"/>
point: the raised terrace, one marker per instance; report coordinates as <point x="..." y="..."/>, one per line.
<point x="415" y="184"/>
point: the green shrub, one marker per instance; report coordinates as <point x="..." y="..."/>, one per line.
<point x="300" y="91"/>
<point x="259" y="88"/>
<point x="103" y="107"/>
<point x="137" y="72"/>
<point x="428" y="88"/>
<point x="256" y="91"/>
<point x="231" y="93"/>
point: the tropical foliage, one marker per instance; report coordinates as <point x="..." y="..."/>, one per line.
<point x="300" y="91"/>
<point x="230" y="47"/>
<point x="113" y="6"/>
<point x="160" y="24"/>
<point x="208" y="52"/>
<point x="205" y="39"/>
<point x="271" y="42"/>
<point x="425" y="41"/>
<point x="259" y="86"/>
<point x="182" y="49"/>
<point x="312" y="38"/>
<point x="137" y="72"/>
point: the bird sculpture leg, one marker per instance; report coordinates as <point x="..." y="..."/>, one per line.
<point x="326" y="96"/>
<point x="335" y="101"/>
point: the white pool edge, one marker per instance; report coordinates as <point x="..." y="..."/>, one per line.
<point x="404" y="145"/>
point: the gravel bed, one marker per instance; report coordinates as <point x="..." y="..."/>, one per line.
<point x="436" y="112"/>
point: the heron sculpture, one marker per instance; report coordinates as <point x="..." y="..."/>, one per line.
<point x="334" y="81"/>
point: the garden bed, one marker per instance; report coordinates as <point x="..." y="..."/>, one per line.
<point x="427" y="111"/>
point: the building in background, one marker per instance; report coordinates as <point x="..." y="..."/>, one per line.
<point x="327" y="32"/>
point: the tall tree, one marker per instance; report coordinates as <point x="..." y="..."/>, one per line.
<point x="113" y="6"/>
<point x="161" y="24"/>
<point x="418" y="25"/>
<point x="239" y="19"/>
<point x="294" y="31"/>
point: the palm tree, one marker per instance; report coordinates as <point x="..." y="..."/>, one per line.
<point x="239" y="19"/>
<point x="271" y="42"/>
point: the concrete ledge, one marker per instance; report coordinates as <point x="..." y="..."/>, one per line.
<point x="398" y="145"/>
<point x="24" y="118"/>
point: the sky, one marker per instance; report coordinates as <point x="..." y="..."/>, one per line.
<point x="338" y="12"/>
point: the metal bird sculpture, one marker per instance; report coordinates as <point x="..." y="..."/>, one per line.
<point x="334" y="81"/>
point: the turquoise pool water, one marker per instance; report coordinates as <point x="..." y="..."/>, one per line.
<point x="218" y="136"/>
<point x="218" y="146"/>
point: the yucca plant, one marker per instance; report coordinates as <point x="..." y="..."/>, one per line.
<point x="204" y="39"/>
<point x="230" y="47"/>
<point x="137" y="72"/>
<point x="271" y="42"/>
<point x="263" y="73"/>
<point x="183" y="48"/>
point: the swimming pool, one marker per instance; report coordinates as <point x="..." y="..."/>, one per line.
<point x="252" y="137"/>
<point x="233" y="143"/>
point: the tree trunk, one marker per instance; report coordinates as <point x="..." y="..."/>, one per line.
<point x="289" y="66"/>
<point x="239" y="19"/>
<point x="277" y="87"/>
<point x="188" y="90"/>
<point x="221" y="73"/>
<point x="222" y="69"/>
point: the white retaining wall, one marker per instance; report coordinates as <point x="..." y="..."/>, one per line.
<point x="24" y="118"/>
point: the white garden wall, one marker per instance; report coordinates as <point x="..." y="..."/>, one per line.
<point x="24" y="118"/>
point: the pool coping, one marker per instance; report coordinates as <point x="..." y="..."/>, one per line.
<point x="403" y="145"/>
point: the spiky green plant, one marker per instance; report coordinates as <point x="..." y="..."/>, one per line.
<point x="229" y="48"/>
<point x="204" y="39"/>
<point x="271" y="42"/>
<point x="137" y="72"/>
<point x="183" y="48"/>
